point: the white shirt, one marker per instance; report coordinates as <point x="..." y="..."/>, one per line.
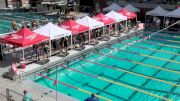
<point x="167" y="22"/>
<point x="154" y="19"/>
<point x="158" y="21"/>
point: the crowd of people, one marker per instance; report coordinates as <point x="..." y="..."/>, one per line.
<point x="62" y="45"/>
<point x="158" y="22"/>
<point x="34" y="24"/>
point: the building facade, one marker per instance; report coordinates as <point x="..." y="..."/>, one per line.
<point x="93" y="3"/>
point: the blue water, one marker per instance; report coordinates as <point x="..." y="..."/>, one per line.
<point x="6" y="17"/>
<point x="122" y="67"/>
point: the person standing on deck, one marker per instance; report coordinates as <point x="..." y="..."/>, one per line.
<point x="167" y="23"/>
<point x="158" y="22"/>
<point x="14" y="55"/>
<point x="154" y="22"/>
<point x="27" y="96"/>
<point x="1" y="53"/>
<point x="66" y="44"/>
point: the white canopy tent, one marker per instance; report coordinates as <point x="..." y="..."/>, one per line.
<point x="113" y="7"/>
<point x="117" y="17"/>
<point x="175" y="13"/>
<point x="54" y="32"/>
<point x="158" y="11"/>
<point x="90" y="22"/>
<point x="131" y="8"/>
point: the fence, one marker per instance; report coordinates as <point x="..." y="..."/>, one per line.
<point x="12" y="95"/>
<point x="3" y="97"/>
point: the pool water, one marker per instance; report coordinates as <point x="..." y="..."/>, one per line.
<point x="146" y="71"/>
<point x="6" y="17"/>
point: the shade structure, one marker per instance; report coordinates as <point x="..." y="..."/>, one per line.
<point x="116" y="16"/>
<point x="74" y="27"/>
<point x="158" y="11"/>
<point x="24" y="37"/>
<point x="131" y="8"/>
<point x="128" y="14"/>
<point x="104" y="19"/>
<point x="175" y="13"/>
<point x="113" y="7"/>
<point x="90" y="22"/>
<point x="53" y="31"/>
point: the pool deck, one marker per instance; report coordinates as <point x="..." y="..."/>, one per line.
<point x="39" y="92"/>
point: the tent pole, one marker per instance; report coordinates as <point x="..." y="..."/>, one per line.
<point x="1" y="52"/>
<point x="71" y="42"/>
<point x="89" y="36"/>
<point x="109" y="32"/>
<point x="164" y="22"/>
<point x="116" y="27"/>
<point x="103" y="30"/>
<point x="50" y="48"/>
<point x="23" y="52"/>
<point x="126" y="24"/>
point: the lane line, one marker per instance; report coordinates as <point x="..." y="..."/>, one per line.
<point x="177" y="62"/>
<point x="162" y="44"/>
<point x="77" y="88"/>
<point x="139" y="63"/>
<point x="174" y="36"/>
<point x="130" y="72"/>
<point x="155" y="50"/>
<point x="147" y="48"/>
<point x="166" y="40"/>
<point x="117" y="83"/>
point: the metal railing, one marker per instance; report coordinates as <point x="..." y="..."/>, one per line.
<point x="3" y="97"/>
<point x="12" y="95"/>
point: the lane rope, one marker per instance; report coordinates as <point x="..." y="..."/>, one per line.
<point x="166" y="40"/>
<point x="130" y="72"/>
<point x="162" y="44"/>
<point x="156" y="50"/>
<point x="174" y="36"/>
<point x="77" y="88"/>
<point x="148" y="65"/>
<point x="147" y="48"/>
<point x="25" y="18"/>
<point x="172" y="46"/>
<point x="117" y="83"/>
<point x="177" y="62"/>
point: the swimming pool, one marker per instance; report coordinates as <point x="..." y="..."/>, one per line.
<point x="146" y="71"/>
<point x="6" y="17"/>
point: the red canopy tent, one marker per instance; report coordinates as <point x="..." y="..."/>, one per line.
<point x="102" y="18"/>
<point x="128" y="14"/>
<point x="74" y="27"/>
<point x="24" y="37"/>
